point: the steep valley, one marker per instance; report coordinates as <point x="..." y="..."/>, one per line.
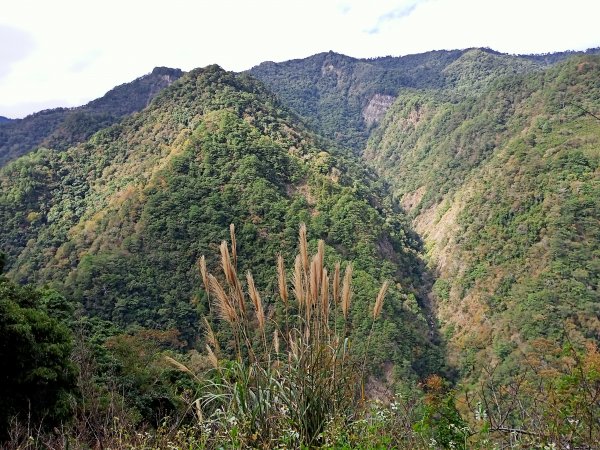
<point x="504" y="188"/>
<point x="495" y="159"/>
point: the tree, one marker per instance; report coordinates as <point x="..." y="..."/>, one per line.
<point x="38" y="378"/>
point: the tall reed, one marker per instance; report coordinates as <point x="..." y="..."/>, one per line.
<point x="292" y="369"/>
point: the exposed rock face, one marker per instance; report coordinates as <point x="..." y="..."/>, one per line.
<point x="411" y="199"/>
<point x="376" y="109"/>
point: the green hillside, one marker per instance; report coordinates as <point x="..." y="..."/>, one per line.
<point x="119" y="222"/>
<point x="504" y="187"/>
<point x="344" y="98"/>
<point x="61" y="128"/>
<point x="332" y="91"/>
<point x="468" y="179"/>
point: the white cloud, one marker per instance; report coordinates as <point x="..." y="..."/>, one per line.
<point x="83" y="48"/>
<point x="17" y="44"/>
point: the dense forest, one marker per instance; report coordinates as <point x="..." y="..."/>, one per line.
<point x="504" y="188"/>
<point x="343" y="98"/>
<point x="329" y="252"/>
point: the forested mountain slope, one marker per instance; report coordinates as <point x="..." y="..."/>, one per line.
<point x="119" y="222"/>
<point x="344" y="98"/>
<point x="504" y="186"/>
<point x="61" y="128"/>
<point x="333" y="91"/>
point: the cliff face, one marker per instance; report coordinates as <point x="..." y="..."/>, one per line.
<point x="376" y="109"/>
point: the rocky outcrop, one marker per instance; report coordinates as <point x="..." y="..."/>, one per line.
<point x="376" y="109"/>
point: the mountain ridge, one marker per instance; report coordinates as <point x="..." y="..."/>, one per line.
<point x="59" y="128"/>
<point x="331" y="90"/>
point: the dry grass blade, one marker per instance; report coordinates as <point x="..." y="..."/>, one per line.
<point x="239" y="294"/>
<point x="325" y="297"/>
<point x="276" y="341"/>
<point x="336" y="283"/>
<point x="347" y="290"/>
<point x="180" y="366"/>
<point x="293" y="347"/>
<point x="232" y="278"/>
<point x="198" y="409"/>
<point x="283" y="292"/>
<point x="379" y="300"/>
<point x="226" y="263"/>
<point x="297" y="281"/>
<point x="226" y="309"/>
<point x="256" y="301"/>
<point x="303" y="247"/>
<point x="214" y="361"/>
<point x="203" y="272"/>
<point x="233" y="244"/>
<point x="314" y="280"/>
<point x="320" y="258"/>
<point x="211" y="338"/>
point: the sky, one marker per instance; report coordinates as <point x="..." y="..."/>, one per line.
<point x="67" y="52"/>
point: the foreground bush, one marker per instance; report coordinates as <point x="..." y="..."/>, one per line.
<point x="291" y="372"/>
<point x="37" y="382"/>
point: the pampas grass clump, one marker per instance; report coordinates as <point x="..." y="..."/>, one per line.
<point x="290" y="370"/>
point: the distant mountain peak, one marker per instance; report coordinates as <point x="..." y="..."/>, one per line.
<point x="60" y="128"/>
<point x="162" y="70"/>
